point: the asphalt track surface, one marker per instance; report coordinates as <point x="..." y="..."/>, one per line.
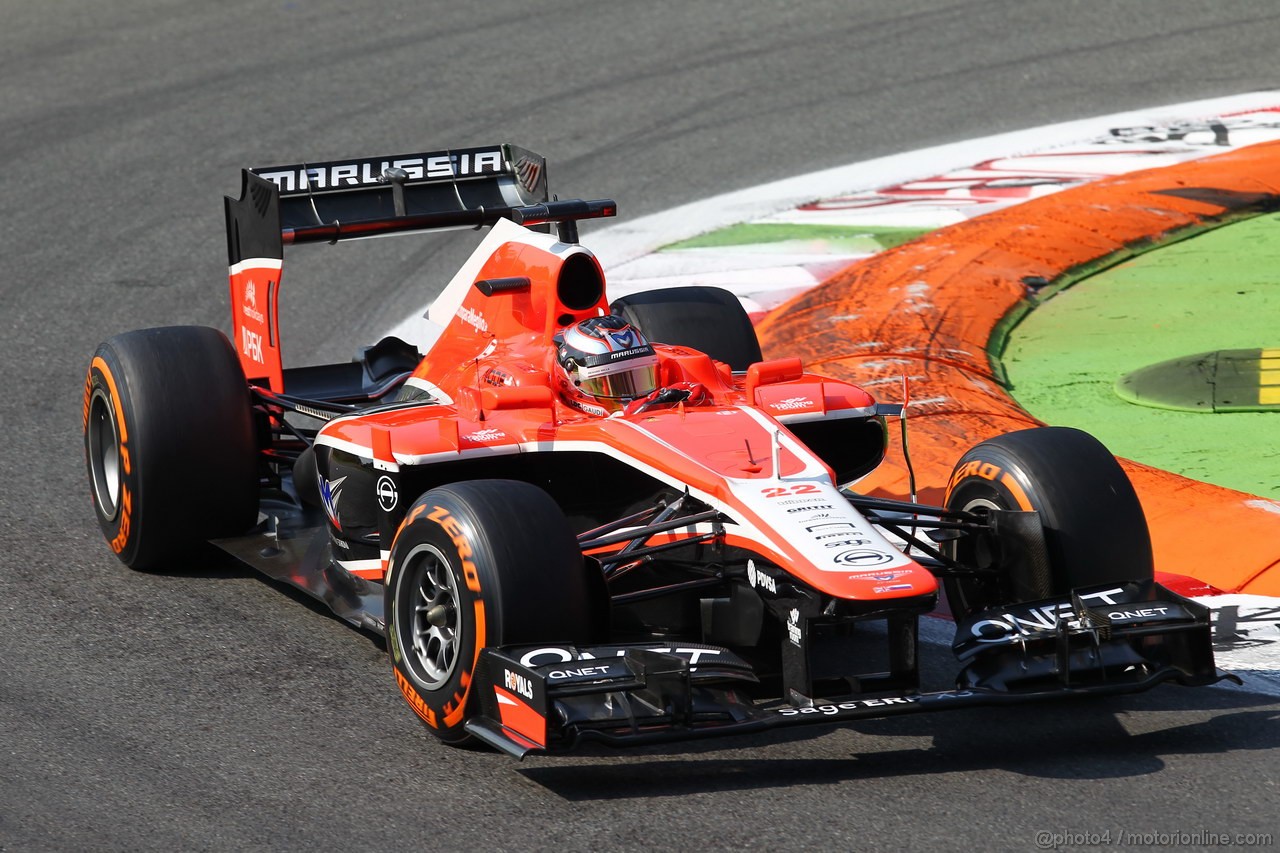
<point x="208" y="709"/>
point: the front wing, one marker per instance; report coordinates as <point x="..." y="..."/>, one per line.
<point x="1123" y="638"/>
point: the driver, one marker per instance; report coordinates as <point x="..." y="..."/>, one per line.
<point x="605" y="362"/>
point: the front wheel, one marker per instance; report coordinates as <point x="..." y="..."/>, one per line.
<point x="1094" y="528"/>
<point x="478" y="563"/>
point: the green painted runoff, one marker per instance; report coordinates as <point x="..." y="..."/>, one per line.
<point x="1219" y="290"/>
<point x="849" y="239"/>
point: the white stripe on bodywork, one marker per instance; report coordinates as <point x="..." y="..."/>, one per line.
<point x="354" y="566"/>
<point x="256" y="264"/>
<point x="825" y="528"/>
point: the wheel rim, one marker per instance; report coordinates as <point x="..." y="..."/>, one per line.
<point x="968" y="595"/>
<point x="430" y="598"/>
<point x="104" y="454"/>
<point x="979" y="501"/>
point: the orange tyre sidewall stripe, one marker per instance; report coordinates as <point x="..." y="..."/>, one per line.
<point x="454" y="712"/>
<point x="101" y="366"/>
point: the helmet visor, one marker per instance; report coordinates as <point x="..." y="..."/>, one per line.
<point x="625" y="384"/>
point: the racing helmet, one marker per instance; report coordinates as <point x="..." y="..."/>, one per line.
<point x="604" y="362"/>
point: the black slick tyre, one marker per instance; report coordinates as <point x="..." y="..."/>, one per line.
<point x="707" y="319"/>
<point x="1094" y="528"/>
<point x="169" y="442"/>
<point x="478" y="563"/>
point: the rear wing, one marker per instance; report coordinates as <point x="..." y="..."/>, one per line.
<point x="370" y="197"/>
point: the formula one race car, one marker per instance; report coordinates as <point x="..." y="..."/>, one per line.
<point x="582" y="521"/>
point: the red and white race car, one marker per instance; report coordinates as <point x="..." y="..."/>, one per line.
<point x="581" y="520"/>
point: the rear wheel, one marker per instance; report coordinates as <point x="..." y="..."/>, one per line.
<point x="707" y="319"/>
<point x="169" y="442"/>
<point x="478" y="563"/>
<point x="1094" y="528"/>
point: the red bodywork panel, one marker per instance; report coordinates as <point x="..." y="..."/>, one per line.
<point x="255" y="320"/>
<point x="492" y="375"/>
